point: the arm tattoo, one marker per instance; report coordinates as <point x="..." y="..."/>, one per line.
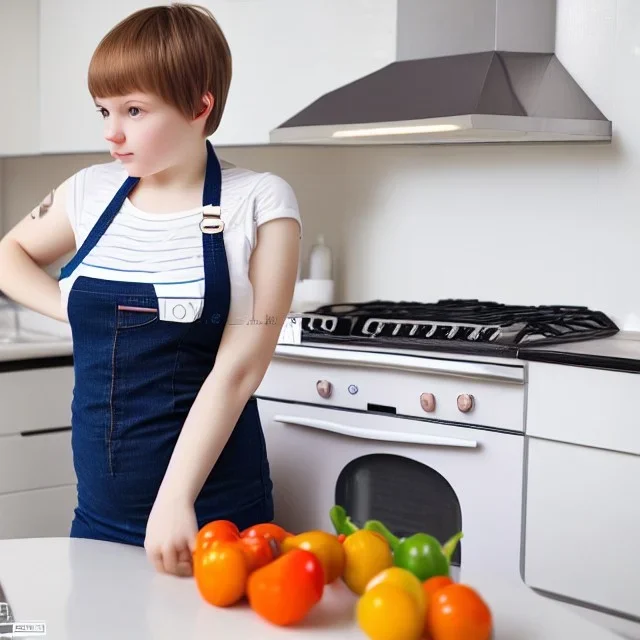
<point x="44" y="206"/>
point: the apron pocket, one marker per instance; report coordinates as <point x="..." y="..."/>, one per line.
<point x="130" y="317"/>
<point x="142" y="425"/>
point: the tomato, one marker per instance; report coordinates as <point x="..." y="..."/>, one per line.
<point x="325" y="546"/>
<point x="258" y="551"/>
<point x="404" y="579"/>
<point x="266" y="530"/>
<point x="366" y="554"/>
<point x="430" y="587"/>
<point x="389" y="612"/>
<point x="222" y="530"/>
<point x="285" y="590"/>
<point x="221" y="573"/>
<point x="458" y="611"/>
<point x="434" y="584"/>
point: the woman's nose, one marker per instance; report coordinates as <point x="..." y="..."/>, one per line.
<point x="113" y="133"/>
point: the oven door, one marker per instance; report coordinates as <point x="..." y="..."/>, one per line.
<point x="413" y="474"/>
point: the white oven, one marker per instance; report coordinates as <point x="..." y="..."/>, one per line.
<point x="432" y="444"/>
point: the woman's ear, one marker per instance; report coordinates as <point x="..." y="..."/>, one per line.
<point x="207" y="101"/>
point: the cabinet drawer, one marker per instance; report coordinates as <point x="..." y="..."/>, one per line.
<point x="582" y="521"/>
<point x="35" y="399"/>
<point x="583" y="406"/>
<point x="37" y="514"/>
<point x="36" y="461"/>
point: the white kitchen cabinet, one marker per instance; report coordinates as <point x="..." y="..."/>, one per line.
<point x="37" y="478"/>
<point x="19" y="100"/>
<point x="286" y="53"/>
<point x="35" y="400"/>
<point x="42" y="513"/>
<point x="583" y="406"/>
<point x="582" y="524"/>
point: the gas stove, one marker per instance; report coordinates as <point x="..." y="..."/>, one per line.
<point x="466" y="326"/>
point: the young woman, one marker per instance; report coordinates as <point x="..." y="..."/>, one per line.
<point x="183" y="274"/>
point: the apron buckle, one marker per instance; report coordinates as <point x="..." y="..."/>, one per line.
<point x="211" y="221"/>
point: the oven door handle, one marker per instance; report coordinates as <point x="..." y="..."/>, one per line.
<point x="375" y="434"/>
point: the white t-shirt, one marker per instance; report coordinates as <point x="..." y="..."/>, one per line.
<point x="165" y="249"/>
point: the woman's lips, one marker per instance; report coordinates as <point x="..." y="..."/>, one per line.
<point x="121" y="156"/>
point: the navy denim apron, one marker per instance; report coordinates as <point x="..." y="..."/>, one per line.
<point x="136" y="377"/>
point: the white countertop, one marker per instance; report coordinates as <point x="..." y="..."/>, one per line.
<point x="34" y="336"/>
<point x="11" y="351"/>
<point x="90" y="589"/>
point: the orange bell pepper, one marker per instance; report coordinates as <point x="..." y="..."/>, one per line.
<point x="221" y="573"/>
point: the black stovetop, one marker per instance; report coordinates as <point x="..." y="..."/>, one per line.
<point x="468" y="326"/>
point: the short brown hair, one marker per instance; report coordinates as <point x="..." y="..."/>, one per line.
<point x="177" y="52"/>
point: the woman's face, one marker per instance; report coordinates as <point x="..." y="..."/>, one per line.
<point x="146" y="134"/>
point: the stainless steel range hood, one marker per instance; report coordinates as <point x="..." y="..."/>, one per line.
<point x="465" y="71"/>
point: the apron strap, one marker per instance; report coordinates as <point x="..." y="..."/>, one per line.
<point x="100" y="227"/>
<point x="213" y="179"/>
<point x="217" y="285"/>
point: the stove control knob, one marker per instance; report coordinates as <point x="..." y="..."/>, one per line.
<point x="428" y="402"/>
<point x="465" y="402"/>
<point x="324" y="388"/>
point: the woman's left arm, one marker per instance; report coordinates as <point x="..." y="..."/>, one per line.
<point x="243" y="357"/>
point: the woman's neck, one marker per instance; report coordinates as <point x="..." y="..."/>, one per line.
<point x="176" y="188"/>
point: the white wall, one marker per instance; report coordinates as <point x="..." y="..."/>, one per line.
<point x="534" y="224"/>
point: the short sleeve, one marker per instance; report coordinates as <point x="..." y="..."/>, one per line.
<point x="76" y="187"/>
<point x="273" y="198"/>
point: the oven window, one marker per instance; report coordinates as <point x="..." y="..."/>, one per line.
<point x="407" y="496"/>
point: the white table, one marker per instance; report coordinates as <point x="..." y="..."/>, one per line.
<point x="90" y="589"/>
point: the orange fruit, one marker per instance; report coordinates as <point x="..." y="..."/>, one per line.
<point x="458" y="611"/>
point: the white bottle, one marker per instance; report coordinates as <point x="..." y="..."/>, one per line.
<point x="320" y="261"/>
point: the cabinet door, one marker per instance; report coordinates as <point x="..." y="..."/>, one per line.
<point x="41" y="513"/>
<point x="582" y="524"/>
<point x="287" y="53"/>
<point x="560" y="406"/>
<point x="70" y="31"/>
<point x="18" y="77"/>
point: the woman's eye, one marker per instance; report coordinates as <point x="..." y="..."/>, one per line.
<point x="103" y="112"/>
<point x="134" y="109"/>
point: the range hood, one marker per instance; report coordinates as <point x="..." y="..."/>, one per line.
<point x="465" y="71"/>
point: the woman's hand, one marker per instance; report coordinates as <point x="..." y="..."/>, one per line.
<point x="171" y="533"/>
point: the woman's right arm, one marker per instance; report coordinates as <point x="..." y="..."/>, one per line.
<point x="44" y="236"/>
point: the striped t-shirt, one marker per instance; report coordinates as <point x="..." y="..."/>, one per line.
<point x="165" y="249"/>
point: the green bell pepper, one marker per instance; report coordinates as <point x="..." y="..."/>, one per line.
<point x="420" y="553"/>
<point x="341" y="521"/>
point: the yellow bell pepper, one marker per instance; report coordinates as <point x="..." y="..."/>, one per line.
<point x="367" y="554"/>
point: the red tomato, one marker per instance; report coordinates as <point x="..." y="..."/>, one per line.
<point x="285" y="590"/>
<point x="258" y="551"/>
<point x="266" y="530"/>
<point x="458" y="611"/>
